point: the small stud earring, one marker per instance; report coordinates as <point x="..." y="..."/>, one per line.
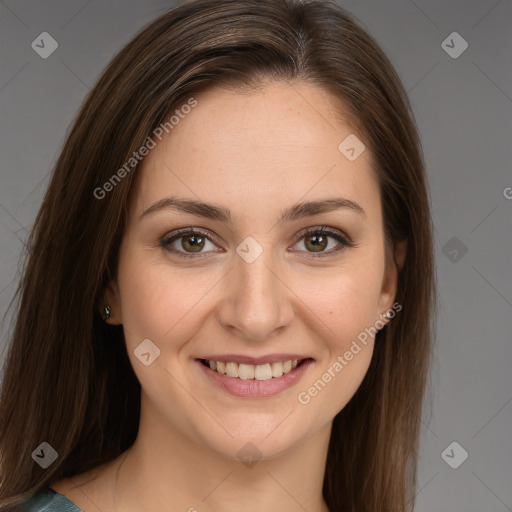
<point x="107" y="312"/>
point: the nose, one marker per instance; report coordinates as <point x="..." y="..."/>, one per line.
<point x="257" y="302"/>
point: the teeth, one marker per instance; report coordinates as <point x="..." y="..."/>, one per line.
<point x="232" y="369"/>
<point x="263" y="372"/>
<point x="246" y="371"/>
<point x="251" y="371"/>
<point x="277" y="369"/>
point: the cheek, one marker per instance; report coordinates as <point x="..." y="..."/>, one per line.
<point x="160" y="302"/>
<point x="345" y="298"/>
<point x="346" y="303"/>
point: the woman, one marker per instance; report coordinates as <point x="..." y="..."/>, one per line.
<point x="229" y="294"/>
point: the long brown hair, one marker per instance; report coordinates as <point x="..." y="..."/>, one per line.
<point x="68" y="379"/>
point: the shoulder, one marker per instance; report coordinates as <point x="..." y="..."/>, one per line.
<point x="48" y="500"/>
<point x="88" y="490"/>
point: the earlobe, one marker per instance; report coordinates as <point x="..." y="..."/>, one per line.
<point x="110" y="306"/>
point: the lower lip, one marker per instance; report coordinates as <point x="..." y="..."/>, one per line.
<point x="252" y="388"/>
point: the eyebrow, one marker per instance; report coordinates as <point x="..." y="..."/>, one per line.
<point x="214" y="212"/>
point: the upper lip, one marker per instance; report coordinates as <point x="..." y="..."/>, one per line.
<point x="239" y="358"/>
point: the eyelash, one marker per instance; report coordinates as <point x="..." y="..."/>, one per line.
<point x="324" y="230"/>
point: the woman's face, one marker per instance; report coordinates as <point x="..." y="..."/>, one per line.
<point x="252" y="286"/>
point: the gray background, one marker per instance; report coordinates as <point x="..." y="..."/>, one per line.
<point x="463" y="108"/>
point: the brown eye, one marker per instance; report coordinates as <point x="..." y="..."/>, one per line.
<point x="190" y="243"/>
<point x="318" y="240"/>
<point x="193" y="243"/>
<point x="187" y="243"/>
<point x="316" y="243"/>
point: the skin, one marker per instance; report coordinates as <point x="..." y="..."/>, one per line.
<point x="256" y="153"/>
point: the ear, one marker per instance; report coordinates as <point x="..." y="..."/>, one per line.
<point x="390" y="280"/>
<point x="112" y="299"/>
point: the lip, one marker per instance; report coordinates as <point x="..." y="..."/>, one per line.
<point x="255" y="388"/>
<point x="239" y="358"/>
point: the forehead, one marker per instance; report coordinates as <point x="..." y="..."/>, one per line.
<point x="250" y="148"/>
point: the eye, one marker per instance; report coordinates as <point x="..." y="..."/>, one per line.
<point x="191" y="245"/>
<point x="193" y="241"/>
<point x="316" y="241"/>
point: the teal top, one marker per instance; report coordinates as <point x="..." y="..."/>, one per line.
<point x="48" y="500"/>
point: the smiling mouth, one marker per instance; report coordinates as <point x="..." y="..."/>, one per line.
<point x="253" y="372"/>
